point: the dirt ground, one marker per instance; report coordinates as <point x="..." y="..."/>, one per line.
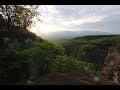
<point x="63" y="79"/>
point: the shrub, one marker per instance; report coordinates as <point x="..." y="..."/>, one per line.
<point x="16" y="65"/>
<point x="66" y="64"/>
<point x="41" y="56"/>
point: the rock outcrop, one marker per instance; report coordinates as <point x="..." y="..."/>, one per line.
<point x="111" y="67"/>
<point x="17" y="43"/>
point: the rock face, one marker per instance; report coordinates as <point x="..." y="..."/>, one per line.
<point x="93" y="52"/>
<point x="111" y="67"/>
<point x="17" y="43"/>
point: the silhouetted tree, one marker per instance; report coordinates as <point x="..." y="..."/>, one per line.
<point x="18" y="15"/>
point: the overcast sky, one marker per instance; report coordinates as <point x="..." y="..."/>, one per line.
<point x="79" y="17"/>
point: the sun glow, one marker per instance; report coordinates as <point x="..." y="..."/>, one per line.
<point x="43" y="28"/>
<point x="40" y="28"/>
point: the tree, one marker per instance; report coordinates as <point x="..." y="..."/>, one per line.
<point x="8" y="13"/>
<point x="25" y="15"/>
<point x="18" y="15"/>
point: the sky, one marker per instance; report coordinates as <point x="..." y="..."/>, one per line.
<point x="78" y="17"/>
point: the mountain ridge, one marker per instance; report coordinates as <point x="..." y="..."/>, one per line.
<point x="71" y="34"/>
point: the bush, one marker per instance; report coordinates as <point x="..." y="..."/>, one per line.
<point x="12" y="67"/>
<point x="41" y="56"/>
<point x="66" y="64"/>
<point x="18" y="64"/>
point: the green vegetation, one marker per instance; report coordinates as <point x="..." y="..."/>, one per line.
<point x="93" y="49"/>
<point x="69" y="65"/>
<point x="16" y="63"/>
<point x="47" y="56"/>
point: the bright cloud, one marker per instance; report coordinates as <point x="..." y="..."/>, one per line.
<point x="78" y="17"/>
<point x="82" y="21"/>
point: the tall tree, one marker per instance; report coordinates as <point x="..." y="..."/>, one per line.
<point x="8" y="13"/>
<point x="26" y="15"/>
<point x="18" y="15"/>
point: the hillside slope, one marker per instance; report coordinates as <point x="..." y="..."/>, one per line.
<point x="51" y="36"/>
<point x="102" y="51"/>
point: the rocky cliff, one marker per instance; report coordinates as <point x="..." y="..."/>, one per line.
<point x="111" y="66"/>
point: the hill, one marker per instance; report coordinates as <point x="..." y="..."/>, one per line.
<point x="51" y="36"/>
<point x="102" y="51"/>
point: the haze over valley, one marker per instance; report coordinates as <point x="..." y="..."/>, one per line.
<point x="51" y="36"/>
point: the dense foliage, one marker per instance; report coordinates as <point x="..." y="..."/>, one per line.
<point x="69" y="65"/>
<point x="15" y="64"/>
<point x="45" y="57"/>
<point x="93" y="49"/>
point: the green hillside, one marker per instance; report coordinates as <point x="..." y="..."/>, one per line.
<point x="93" y="49"/>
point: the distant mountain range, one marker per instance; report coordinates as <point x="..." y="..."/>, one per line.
<point x="71" y="34"/>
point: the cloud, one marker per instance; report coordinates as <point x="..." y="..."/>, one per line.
<point x="109" y="24"/>
<point x="82" y="21"/>
<point x="80" y="17"/>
